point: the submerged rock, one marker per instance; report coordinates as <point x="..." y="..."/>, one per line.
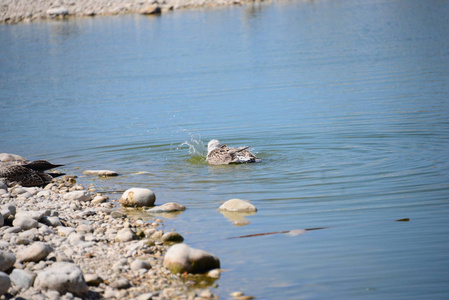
<point x="237" y="205"/>
<point x="182" y="258"/>
<point x="167" y="207"/>
<point x="138" y="197"/>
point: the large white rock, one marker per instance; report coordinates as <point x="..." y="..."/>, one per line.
<point x="138" y="197"/>
<point x="78" y="196"/>
<point x="25" y="222"/>
<point x="36" y="252"/>
<point x="5" y="283"/>
<point x="7" y="260"/>
<point x="237" y="205"/>
<point x="63" y="277"/>
<point x="182" y="258"/>
<point x="23" y="278"/>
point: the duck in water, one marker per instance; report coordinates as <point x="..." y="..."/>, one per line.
<point x="218" y="154"/>
<point x="26" y="173"/>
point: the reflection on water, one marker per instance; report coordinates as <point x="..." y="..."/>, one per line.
<point x="345" y="102"/>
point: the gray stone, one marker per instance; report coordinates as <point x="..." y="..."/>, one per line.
<point x="78" y="196"/>
<point x="23" y="278"/>
<point x="140" y="264"/>
<point x="167" y="207"/>
<point x="181" y="258"/>
<point x="62" y="277"/>
<point x="35" y="252"/>
<point x="2" y="221"/>
<point x="33" y="214"/>
<point x="5" y="283"/>
<point x="7" y="260"/>
<point x="237" y="205"/>
<point x="25" y="222"/>
<point x="138" y="197"/>
<point x="12" y="208"/>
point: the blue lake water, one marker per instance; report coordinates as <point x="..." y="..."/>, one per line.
<point x="346" y="103"/>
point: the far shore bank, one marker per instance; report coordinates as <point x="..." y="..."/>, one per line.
<point x="18" y="11"/>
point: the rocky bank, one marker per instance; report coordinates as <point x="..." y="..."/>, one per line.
<point x="15" y="11"/>
<point x="63" y="241"/>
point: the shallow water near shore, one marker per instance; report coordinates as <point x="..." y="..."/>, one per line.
<point x="346" y="103"/>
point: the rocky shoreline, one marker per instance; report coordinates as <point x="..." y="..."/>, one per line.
<point x="62" y="242"/>
<point x="16" y="11"/>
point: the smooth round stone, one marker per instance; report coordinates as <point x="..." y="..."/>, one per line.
<point x="63" y="277"/>
<point x="118" y="215"/>
<point x="5" y="283"/>
<point x="35" y="252"/>
<point x="8" y="157"/>
<point x="140" y="264"/>
<point x="167" y="207"/>
<point x="7" y="260"/>
<point x="138" y="197"/>
<point x="182" y="258"/>
<point x="172" y="237"/>
<point x="237" y="205"/>
<point x="25" y="222"/>
<point x="104" y="173"/>
<point x="125" y="235"/>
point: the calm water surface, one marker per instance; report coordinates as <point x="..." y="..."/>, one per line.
<point x="346" y="102"/>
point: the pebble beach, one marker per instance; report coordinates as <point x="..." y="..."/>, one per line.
<point x="65" y="241"/>
<point x="16" y="11"/>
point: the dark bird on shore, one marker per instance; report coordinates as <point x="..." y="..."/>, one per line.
<point x="27" y="174"/>
<point x="218" y="154"/>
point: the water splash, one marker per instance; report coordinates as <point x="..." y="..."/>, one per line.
<point x="197" y="149"/>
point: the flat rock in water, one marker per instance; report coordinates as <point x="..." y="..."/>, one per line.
<point x="237" y="205"/>
<point x="182" y="258"/>
<point x="138" y="197"/>
<point x="63" y="277"/>
<point x="104" y="173"/>
<point x="167" y="207"/>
